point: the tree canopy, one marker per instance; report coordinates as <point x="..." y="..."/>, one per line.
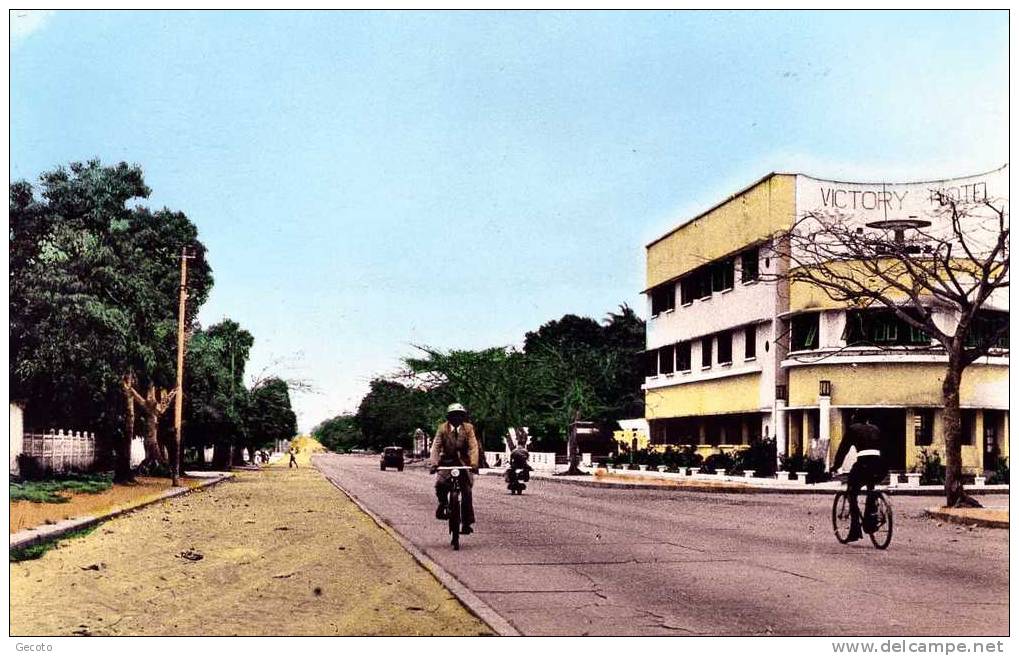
<point x="93" y="291"/>
<point x="568" y="365"/>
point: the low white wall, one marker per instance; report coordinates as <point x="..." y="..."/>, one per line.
<point x="538" y="459"/>
<point x="17" y="429"/>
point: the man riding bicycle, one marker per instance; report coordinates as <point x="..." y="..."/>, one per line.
<point x="455" y="446"/>
<point x="868" y="470"/>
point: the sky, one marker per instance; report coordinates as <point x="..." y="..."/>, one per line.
<point x="370" y="181"/>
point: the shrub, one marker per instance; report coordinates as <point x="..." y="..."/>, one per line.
<point x="932" y="471"/>
<point x="688" y="457"/>
<point x="716" y="462"/>
<point x="815" y="467"/>
<point x="1000" y="475"/>
<point x="48" y="491"/>
<point x="759" y="457"/>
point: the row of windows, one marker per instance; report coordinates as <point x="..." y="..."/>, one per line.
<point x="704" y="281"/>
<point x="885" y="328"/>
<point x="676" y="357"/>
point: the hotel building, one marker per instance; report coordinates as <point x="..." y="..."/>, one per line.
<point x="736" y="354"/>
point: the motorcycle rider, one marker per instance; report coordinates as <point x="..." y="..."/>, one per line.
<point x="518" y="460"/>
<point x="455" y="445"/>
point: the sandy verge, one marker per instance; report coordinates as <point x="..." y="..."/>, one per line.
<point x="275" y="552"/>
<point x="28" y="514"/>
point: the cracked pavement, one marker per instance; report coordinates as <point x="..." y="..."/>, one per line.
<point x="569" y="560"/>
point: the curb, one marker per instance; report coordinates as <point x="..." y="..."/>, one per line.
<point x="47" y="532"/>
<point x="471" y="601"/>
<point x="952" y="518"/>
<point x="738" y="488"/>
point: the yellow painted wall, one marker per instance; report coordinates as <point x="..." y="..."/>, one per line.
<point x="751" y="216"/>
<point x="625" y="438"/>
<point x="806" y="296"/>
<point x="905" y="383"/>
<point x="710" y="397"/>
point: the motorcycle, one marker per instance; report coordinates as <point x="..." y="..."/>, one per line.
<point x="516" y="478"/>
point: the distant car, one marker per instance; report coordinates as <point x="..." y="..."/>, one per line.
<point x="392" y="456"/>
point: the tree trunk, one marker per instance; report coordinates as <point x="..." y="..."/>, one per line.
<point x="221" y="456"/>
<point x="955" y="494"/>
<point x="238" y="455"/>
<point x="122" y="468"/>
<point x="174" y="462"/>
<point x="153" y="449"/>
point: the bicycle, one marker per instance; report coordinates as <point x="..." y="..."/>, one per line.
<point x="456" y="475"/>
<point x="841" y="517"/>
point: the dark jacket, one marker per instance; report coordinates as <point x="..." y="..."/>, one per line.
<point x="861" y="435"/>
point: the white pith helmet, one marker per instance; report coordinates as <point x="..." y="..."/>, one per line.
<point x="455" y="407"/>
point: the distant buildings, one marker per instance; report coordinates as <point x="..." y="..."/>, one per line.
<point x="733" y="356"/>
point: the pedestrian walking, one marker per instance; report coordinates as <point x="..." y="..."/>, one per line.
<point x="293" y="457"/>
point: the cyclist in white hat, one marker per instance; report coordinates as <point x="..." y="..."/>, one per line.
<point x="455" y="445"/>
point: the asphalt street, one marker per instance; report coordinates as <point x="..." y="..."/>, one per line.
<point x="570" y="560"/>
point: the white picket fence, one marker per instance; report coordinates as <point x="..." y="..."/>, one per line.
<point x="60" y="452"/>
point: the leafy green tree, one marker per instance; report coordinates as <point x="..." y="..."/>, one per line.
<point x="215" y="398"/>
<point x="268" y="415"/>
<point x="93" y="291"/>
<point x="495" y="385"/>
<point x="390" y="412"/>
<point x="340" y="433"/>
<point x="590" y="371"/>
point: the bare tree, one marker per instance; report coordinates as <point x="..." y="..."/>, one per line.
<point x="937" y="276"/>
<point x="154" y="404"/>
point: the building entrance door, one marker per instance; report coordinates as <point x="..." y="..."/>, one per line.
<point x="992" y="419"/>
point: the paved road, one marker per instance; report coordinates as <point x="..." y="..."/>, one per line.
<point x="569" y="560"/>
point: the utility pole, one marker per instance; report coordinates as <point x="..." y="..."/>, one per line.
<point x="178" y="408"/>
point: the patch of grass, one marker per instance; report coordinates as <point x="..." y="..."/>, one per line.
<point x="37" y="550"/>
<point x="46" y="491"/>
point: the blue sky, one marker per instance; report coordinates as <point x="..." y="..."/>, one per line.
<point x="369" y="181"/>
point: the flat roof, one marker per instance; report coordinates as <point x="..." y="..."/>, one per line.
<point x="774" y="173"/>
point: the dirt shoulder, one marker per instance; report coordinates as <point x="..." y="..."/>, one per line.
<point x="29" y="514"/>
<point x="282" y="553"/>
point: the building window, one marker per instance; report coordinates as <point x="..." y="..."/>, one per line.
<point x="722" y="275"/>
<point x="968" y="426"/>
<point x="667" y="359"/>
<point x="882" y="328"/>
<point x="804" y="329"/>
<point x="683" y="356"/>
<point x="703" y="277"/>
<point x="688" y="290"/>
<point x="706" y="352"/>
<point x="699" y="284"/>
<point x="749" y="265"/>
<point x="725" y="347"/>
<point x="663" y="298"/>
<point x="923" y="427"/>
<point x="750" y="342"/>
<point x="651" y="363"/>
<point x="988" y="330"/>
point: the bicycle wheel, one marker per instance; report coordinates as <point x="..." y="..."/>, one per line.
<point x="454" y="519"/>
<point x="882" y="535"/>
<point x="841" y="517"/>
